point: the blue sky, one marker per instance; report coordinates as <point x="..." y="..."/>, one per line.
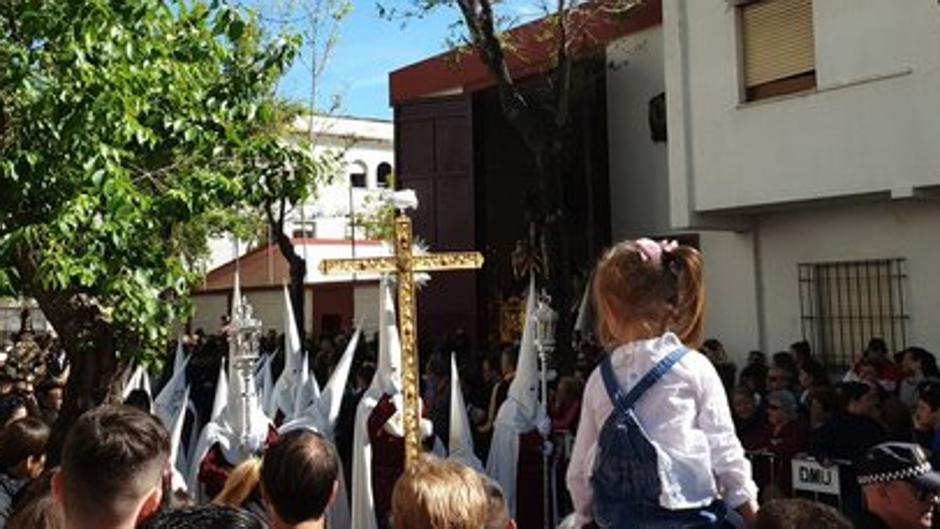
<point x="369" y="48"/>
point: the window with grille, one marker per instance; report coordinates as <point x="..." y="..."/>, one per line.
<point x="843" y="305"/>
<point x="778" y="47"/>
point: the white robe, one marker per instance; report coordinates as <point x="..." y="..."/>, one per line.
<point x="520" y="412"/>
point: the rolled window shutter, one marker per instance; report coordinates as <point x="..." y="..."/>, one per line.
<point x="778" y="40"/>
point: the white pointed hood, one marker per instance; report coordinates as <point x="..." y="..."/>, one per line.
<point x="388" y="371"/>
<point x="267" y="383"/>
<point x="520" y="413"/>
<point x="584" y="323"/>
<point x="180" y="357"/>
<point x="221" y="394"/>
<point x="237" y="424"/>
<point x="307" y="391"/>
<point x="387" y="380"/>
<point x="524" y="388"/>
<point x="172" y="398"/>
<point x="285" y="390"/>
<point x="177" y="457"/>
<point x="460" y="438"/>
<point x="192" y="443"/>
<point x="138" y="379"/>
<point x="322" y="414"/>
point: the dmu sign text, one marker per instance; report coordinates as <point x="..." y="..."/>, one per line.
<point x="810" y="476"/>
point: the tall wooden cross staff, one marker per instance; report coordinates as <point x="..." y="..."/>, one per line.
<point x="405" y="264"/>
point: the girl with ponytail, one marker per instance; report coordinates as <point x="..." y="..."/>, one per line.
<point x="656" y="446"/>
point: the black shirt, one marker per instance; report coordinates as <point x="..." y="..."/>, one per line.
<point x="869" y="520"/>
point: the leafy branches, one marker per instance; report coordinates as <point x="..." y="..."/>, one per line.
<point x="130" y="131"/>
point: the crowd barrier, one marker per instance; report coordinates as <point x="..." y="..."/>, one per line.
<point x="831" y="482"/>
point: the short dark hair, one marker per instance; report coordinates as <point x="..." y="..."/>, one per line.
<point x="802" y="350"/>
<point x="827" y="398"/>
<point x="928" y="362"/>
<point x="799" y="514"/>
<point x="876" y="345"/>
<point x="9" y="403"/>
<point x="783" y="360"/>
<point x="298" y="475"/>
<point x="930" y="394"/>
<point x="21" y="439"/>
<point x="204" y="517"/>
<point x="852" y="391"/>
<point x="112" y="455"/>
<point x="817" y="373"/>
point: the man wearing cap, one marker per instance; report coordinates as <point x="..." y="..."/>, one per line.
<point x="900" y="487"/>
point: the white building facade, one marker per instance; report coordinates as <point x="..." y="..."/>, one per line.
<point x="324" y="228"/>
<point x="800" y="155"/>
<point x="367" y="167"/>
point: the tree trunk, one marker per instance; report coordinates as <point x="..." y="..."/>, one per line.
<point x="556" y="234"/>
<point x="94" y="372"/>
<point x="88" y="339"/>
<point x="298" y="276"/>
<point x="94" y="379"/>
<point x="298" y="279"/>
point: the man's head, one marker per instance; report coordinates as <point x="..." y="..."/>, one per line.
<point x="799" y="514"/>
<point x="899" y="485"/>
<point x="12" y="408"/>
<point x="204" y="517"/>
<point x="508" y="360"/>
<point x="299" y="477"/>
<point x="877" y="350"/>
<point x="779" y="379"/>
<point x="23" y="448"/>
<point x="113" y="463"/>
<point x="439" y="494"/>
<point x="927" y="413"/>
<point x="743" y="403"/>
<point x="52" y="396"/>
<point x="782" y="408"/>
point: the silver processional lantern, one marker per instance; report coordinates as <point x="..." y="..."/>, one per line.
<point x="546" y="321"/>
<point x="244" y="339"/>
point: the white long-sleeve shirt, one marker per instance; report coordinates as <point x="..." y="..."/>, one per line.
<point x="687" y="419"/>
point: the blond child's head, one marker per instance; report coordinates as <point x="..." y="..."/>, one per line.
<point x="643" y="289"/>
<point x="241" y="484"/>
<point x="439" y="494"/>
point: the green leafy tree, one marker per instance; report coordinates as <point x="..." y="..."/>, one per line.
<point x="129" y="133"/>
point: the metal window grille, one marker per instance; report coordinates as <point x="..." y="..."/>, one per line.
<point x="845" y="304"/>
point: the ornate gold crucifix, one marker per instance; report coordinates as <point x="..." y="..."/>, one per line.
<point x="405" y="264"/>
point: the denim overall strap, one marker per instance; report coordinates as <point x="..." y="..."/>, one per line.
<point x="615" y="391"/>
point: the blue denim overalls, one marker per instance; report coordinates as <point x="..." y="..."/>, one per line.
<point x="626" y="478"/>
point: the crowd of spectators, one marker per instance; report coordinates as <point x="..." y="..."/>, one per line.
<point x="792" y="405"/>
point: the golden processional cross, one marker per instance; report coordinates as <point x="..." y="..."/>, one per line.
<point x="405" y="264"/>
